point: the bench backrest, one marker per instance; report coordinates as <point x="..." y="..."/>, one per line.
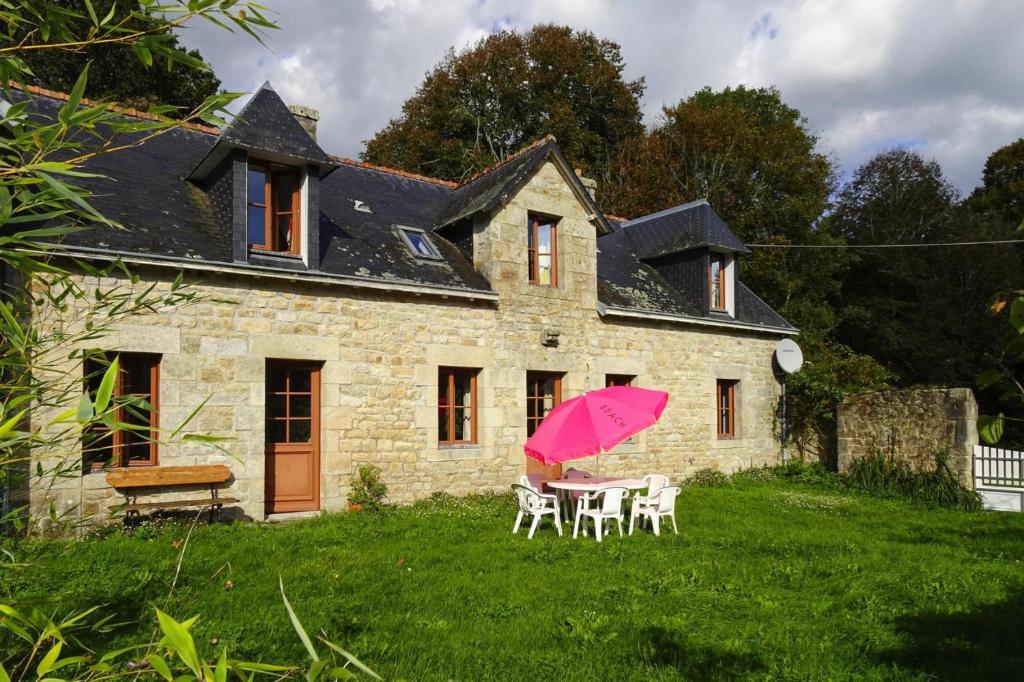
<point x="156" y="477"/>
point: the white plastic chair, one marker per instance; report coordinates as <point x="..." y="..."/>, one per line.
<point x="656" y="505"/>
<point x="607" y="507"/>
<point x="537" y="505"/>
<point x="655" y="482"/>
<point x="534" y="482"/>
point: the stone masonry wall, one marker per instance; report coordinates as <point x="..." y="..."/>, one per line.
<point x="911" y="425"/>
<point x="381" y="352"/>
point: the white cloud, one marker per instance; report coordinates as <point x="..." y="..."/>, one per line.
<point x="941" y="76"/>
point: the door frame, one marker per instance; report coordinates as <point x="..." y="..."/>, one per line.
<point x="274" y="505"/>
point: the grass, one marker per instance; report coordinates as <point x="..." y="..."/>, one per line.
<point x="767" y="580"/>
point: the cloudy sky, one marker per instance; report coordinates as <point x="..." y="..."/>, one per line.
<point x="945" y="77"/>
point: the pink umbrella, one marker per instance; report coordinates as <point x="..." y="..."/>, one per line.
<point x="594" y="422"/>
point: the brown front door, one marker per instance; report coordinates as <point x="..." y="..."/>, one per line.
<point x="293" y="436"/>
<point x="543" y="393"/>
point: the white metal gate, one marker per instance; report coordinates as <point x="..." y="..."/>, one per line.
<point x="999" y="478"/>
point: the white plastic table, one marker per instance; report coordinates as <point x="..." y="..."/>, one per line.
<point x="564" y="486"/>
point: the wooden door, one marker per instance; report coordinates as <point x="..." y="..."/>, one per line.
<point x="543" y="393"/>
<point x="293" y="436"/>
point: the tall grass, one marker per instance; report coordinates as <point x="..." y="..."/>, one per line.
<point x="891" y="476"/>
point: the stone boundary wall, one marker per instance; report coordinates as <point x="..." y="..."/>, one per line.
<point x="911" y="425"/>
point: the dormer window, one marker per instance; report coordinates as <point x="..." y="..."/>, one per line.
<point x="418" y="242"/>
<point x="272" y="213"/>
<point x="717" y="282"/>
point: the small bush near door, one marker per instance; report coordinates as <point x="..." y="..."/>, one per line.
<point x="368" y="490"/>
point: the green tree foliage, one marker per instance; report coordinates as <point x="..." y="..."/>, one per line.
<point x="921" y="312"/>
<point x="484" y="103"/>
<point x="115" y="72"/>
<point x="1001" y="194"/>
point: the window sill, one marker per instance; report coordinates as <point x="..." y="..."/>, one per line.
<point x="253" y="251"/>
<point x="457" y="446"/>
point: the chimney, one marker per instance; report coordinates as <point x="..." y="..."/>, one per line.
<point x="589" y="183"/>
<point x="306" y="116"/>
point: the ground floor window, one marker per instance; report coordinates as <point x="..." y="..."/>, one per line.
<point x="543" y="393"/>
<point x="134" y="400"/>
<point x="456" y="405"/>
<point x="725" y="406"/>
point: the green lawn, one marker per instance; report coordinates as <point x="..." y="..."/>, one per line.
<point x="768" y="580"/>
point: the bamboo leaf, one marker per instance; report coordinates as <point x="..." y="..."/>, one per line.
<point x="85" y="411"/>
<point x="180" y="641"/>
<point x="106" y="388"/>
<point x="158" y="664"/>
<point x="350" y="658"/>
<point x="49" y="659"/>
<point x="74" y="97"/>
<point x="297" y="624"/>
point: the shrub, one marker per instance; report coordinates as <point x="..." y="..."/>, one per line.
<point x="708" y="478"/>
<point x="761" y="474"/>
<point x="368" y="489"/>
<point x="890" y="476"/>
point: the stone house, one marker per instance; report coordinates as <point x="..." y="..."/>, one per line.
<point x="356" y="314"/>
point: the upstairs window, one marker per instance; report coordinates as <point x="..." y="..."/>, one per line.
<point x="272" y="214"/>
<point x="418" y="242"/>
<point x="716" y="281"/>
<point x="618" y="380"/>
<point x="134" y="401"/>
<point x="542" y="250"/>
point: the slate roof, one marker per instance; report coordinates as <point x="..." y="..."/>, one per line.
<point x="176" y="219"/>
<point x="494" y="186"/>
<point x="680" y="228"/>
<point x="266" y="125"/>
<point x="626" y="281"/>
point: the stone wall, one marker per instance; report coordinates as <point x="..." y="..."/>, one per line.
<point x="381" y="352"/>
<point x="911" y="425"/>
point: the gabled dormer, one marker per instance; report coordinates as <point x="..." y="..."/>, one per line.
<point x="695" y="251"/>
<point x="263" y="178"/>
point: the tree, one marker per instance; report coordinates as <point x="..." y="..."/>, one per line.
<point x="114" y="71"/>
<point x="484" y="103"/>
<point x="920" y="311"/>
<point x="1001" y="193"/>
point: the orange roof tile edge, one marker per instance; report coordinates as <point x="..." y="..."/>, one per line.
<point x="495" y="166"/>
<point x="394" y="171"/>
<point x="127" y="111"/>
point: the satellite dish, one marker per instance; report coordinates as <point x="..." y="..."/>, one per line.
<point x="789" y="356"/>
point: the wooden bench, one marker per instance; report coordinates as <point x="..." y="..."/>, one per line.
<point x="133" y="482"/>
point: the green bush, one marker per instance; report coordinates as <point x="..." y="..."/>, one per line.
<point x="368" y="489"/>
<point x="708" y="478"/>
<point x="889" y="476"/>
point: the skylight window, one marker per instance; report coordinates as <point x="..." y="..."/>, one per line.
<point x="418" y="242"/>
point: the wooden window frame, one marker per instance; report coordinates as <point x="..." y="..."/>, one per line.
<point x="726" y="388"/>
<point x="534" y="221"/>
<point x="531" y="376"/>
<point x="448" y="375"/>
<point x="717" y="304"/>
<point x="270" y="213"/>
<point x="118" y="445"/>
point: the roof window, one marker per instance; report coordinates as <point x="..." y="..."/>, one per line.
<point x="361" y="206"/>
<point x="418" y="242"/>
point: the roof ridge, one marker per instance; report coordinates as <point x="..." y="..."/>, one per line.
<point x="394" y="171"/>
<point x="668" y="211"/>
<point x="495" y="166"/>
<point x="127" y="111"/>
